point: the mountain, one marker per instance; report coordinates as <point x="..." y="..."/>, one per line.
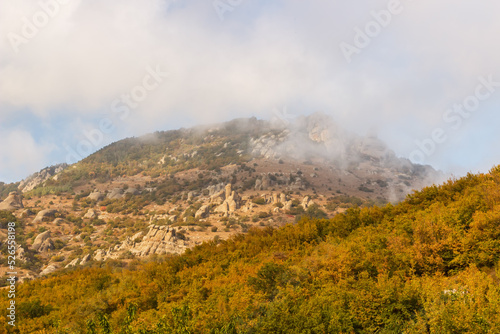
<point x="428" y="264"/>
<point x="169" y="191"/>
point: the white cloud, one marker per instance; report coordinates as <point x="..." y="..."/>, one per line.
<point x="21" y="155"/>
<point x="265" y="54"/>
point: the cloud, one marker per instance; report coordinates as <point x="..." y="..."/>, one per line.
<point x="21" y="155"/>
<point x="263" y="55"/>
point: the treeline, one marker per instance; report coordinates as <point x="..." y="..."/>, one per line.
<point x="426" y="265"/>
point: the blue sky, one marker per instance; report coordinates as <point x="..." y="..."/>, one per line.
<point x="77" y="75"/>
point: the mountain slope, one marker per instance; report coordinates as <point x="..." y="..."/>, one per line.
<point x="428" y="264"/>
<point x="170" y="191"/>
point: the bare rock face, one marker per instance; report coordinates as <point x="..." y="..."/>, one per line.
<point x="223" y="208"/>
<point x="100" y="255"/>
<point x="96" y="196"/>
<point x="72" y="263"/>
<point x="58" y="221"/>
<point x="21" y="253"/>
<point x="282" y="198"/>
<point x="116" y="193"/>
<point x="49" y="269"/>
<point x="44" y="214"/>
<point x="202" y="212"/>
<point x="159" y="240"/>
<point x="40" y="240"/>
<point x="132" y="191"/>
<point x="47" y="245"/>
<point x="305" y="202"/>
<point x="231" y="201"/>
<point x="85" y="259"/>
<point x="38" y="178"/>
<point x="91" y="214"/>
<point x="12" y="202"/>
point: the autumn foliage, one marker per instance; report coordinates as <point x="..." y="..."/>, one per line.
<point x="426" y="265"/>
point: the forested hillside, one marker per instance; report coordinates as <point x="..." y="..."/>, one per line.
<point x="426" y="265"/>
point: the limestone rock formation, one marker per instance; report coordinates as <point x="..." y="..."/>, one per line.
<point x="85" y="259"/>
<point x="96" y="195"/>
<point x="21" y="253"/>
<point x="91" y="214"/>
<point x="116" y="193"/>
<point x="73" y="263"/>
<point x="40" y="240"/>
<point x="158" y="240"/>
<point x="38" y="178"/>
<point x="44" y="214"/>
<point x="202" y="212"/>
<point x="132" y="191"/>
<point x="50" y="268"/>
<point x="46" y="245"/>
<point x="12" y="202"/>
<point x="101" y="254"/>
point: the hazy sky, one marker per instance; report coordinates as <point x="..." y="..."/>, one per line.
<point x="76" y="75"/>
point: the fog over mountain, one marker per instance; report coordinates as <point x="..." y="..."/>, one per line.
<point x="139" y="67"/>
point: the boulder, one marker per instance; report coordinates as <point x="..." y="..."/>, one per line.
<point x="116" y="193"/>
<point x="275" y="198"/>
<point x="49" y="269"/>
<point x="288" y="206"/>
<point x="132" y="191"/>
<point x="20" y="253"/>
<point x="202" y="212"/>
<point x="305" y="202"/>
<point x="282" y="198"/>
<point x="85" y="259"/>
<point x="40" y="239"/>
<point x="136" y="236"/>
<point x="44" y="215"/>
<point x="223" y="208"/>
<point x="72" y="263"/>
<point x="58" y="221"/>
<point x="27" y="213"/>
<point x="48" y="244"/>
<point x="91" y="214"/>
<point x="96" y="196"/>
<point x="12" y="202"/>
<point x="100" y="255"/>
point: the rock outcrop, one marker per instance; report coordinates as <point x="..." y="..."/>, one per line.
<point x="73" y="263"/>
<point x="96" y="195"/>
<point x="12" y="202"/>
<point x="231" y="201"/>
<point x="202" y="212"/>
<point x="36" y="179"/>
<point x="49" y="269"/>
<point x="44" y="215"/>
<point x="91" y="214"/>
<point x="159" y="240"/>
<point x="42" y="241"/>
<point x="116" y="193"/>
<point x="85" y="259"/>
